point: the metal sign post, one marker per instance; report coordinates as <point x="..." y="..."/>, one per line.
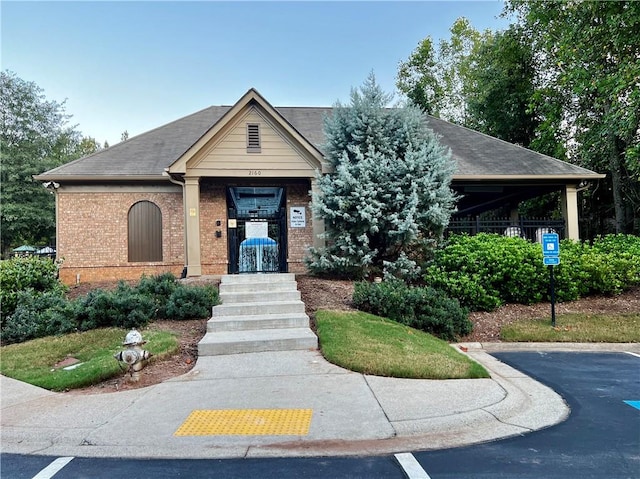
<point x="553" y="298"/>
<point x="551" y="258"/>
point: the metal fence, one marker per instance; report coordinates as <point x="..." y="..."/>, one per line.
<point x="259" y="255"/>
<point x="531" y="229"/>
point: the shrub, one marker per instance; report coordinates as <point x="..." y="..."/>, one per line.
<point x="619" y="244"/>
<point x="159" y="288"/>
<point x="161" y="285"/>
<point x="422" y="308"/>
<point x="487" y="270"/>
<point x="191" y="302"/>
<point x="610" y="266"/>
<point x="46" y="313"/>
<point x="22" y="273"/>
<point x="124" y="307"/>
<point x="622" y="252"/>
<point x="467" y="288"/>
<point x="384" y="299"/>
<point x="39" y="314"/>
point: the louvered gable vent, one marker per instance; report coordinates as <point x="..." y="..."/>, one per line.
<point x="253" y="138"/>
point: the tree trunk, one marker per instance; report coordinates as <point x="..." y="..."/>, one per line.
<point x="616" y="185"/>
<point x="615" y="163"/>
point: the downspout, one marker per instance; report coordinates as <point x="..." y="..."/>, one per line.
<point x="177" y="181"/>
<point x="53" y="187"/>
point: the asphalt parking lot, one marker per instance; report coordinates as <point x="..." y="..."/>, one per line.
<point x="600" y="439"/>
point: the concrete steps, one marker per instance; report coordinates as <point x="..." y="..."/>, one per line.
<point x="257" y="307"/>
<point x="258" y="321"/>
<point x="258" y="296"/>
<point x="259" y="312"/>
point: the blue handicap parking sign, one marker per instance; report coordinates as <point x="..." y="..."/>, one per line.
<point x="550" y="244"/>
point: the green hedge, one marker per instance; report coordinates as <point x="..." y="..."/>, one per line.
<point x="421" y="308"/>
<point x="124" y="307"/>
<point x="488" y="270"/>
<point x="39" y="313"/>
<point x="192" y="302"/>
<point x="23" y="273"/>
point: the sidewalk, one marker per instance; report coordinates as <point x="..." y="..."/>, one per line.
<point x="352" y="414"/>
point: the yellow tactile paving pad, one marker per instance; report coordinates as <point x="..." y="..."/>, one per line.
<point x="246" y="422"/>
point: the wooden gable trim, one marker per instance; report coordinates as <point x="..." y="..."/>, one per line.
<point x="251" y="99"/>
<point x="242" y="162"/>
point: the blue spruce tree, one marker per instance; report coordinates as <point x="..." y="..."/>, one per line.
<point x="389" y="191"/>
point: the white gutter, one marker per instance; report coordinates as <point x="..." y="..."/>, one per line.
<point x="184" y="220"/>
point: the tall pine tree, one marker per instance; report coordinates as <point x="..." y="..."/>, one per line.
<point x="390" y="189"/>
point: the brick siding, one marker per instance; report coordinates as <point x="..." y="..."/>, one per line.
<point x="299" y="239"/>
<point x="93" y="236"/>
<point x="213" y="207"/>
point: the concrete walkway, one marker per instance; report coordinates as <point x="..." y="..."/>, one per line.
<point x="352" y="414"/>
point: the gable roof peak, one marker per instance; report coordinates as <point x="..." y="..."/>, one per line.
<point x="251" y="97"/>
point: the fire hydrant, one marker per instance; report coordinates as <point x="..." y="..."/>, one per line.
<point x="134" y="355"/>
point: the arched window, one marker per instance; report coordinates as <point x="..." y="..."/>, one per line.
<point x="145" y="232"/>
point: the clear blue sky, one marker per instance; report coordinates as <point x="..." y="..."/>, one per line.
<point x="137" y="65"/>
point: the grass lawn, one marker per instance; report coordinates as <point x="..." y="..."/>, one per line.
<point x="34" y="362"/>
<point x="372" y="345"/>
<point x="579" y="328"/>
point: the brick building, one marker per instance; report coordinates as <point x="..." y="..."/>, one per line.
<point x="227" y="190"/>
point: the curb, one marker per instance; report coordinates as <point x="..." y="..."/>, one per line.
<point x="560" y="347"/>
<point x="519" y="405"/>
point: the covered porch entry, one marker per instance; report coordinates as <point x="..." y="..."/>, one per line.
<point x="257" y="229"/>
<point x="242" y="181"/>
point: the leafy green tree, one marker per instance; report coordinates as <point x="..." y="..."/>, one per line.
<point x="418" y="78"/>
<point x="500" y="86"/>
<point x="34" y="137"/>
<point x="589" y="57"/>
<point x="389" y="190"/>
<point x="487" y="82"/>
<point x="562" y="80"/>
<point x="87" y="146"/>
<point x="484" y="81"/>
<point x="435" y="77"/>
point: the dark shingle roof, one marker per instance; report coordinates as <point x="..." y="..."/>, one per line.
<point x="147" y="155"/>
<point x="478" y="154"/>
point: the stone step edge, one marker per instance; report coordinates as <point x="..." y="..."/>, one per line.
<point x="257" y="287"/>
<point x="256" y="317"/>
<point x="257" y="323"/>
<point x="257" y="278"/>
<point x="246" y="309"/>
<point x="262" y="303"/>
<point x="230" y="337"/>
<point x="257" y="297"/>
